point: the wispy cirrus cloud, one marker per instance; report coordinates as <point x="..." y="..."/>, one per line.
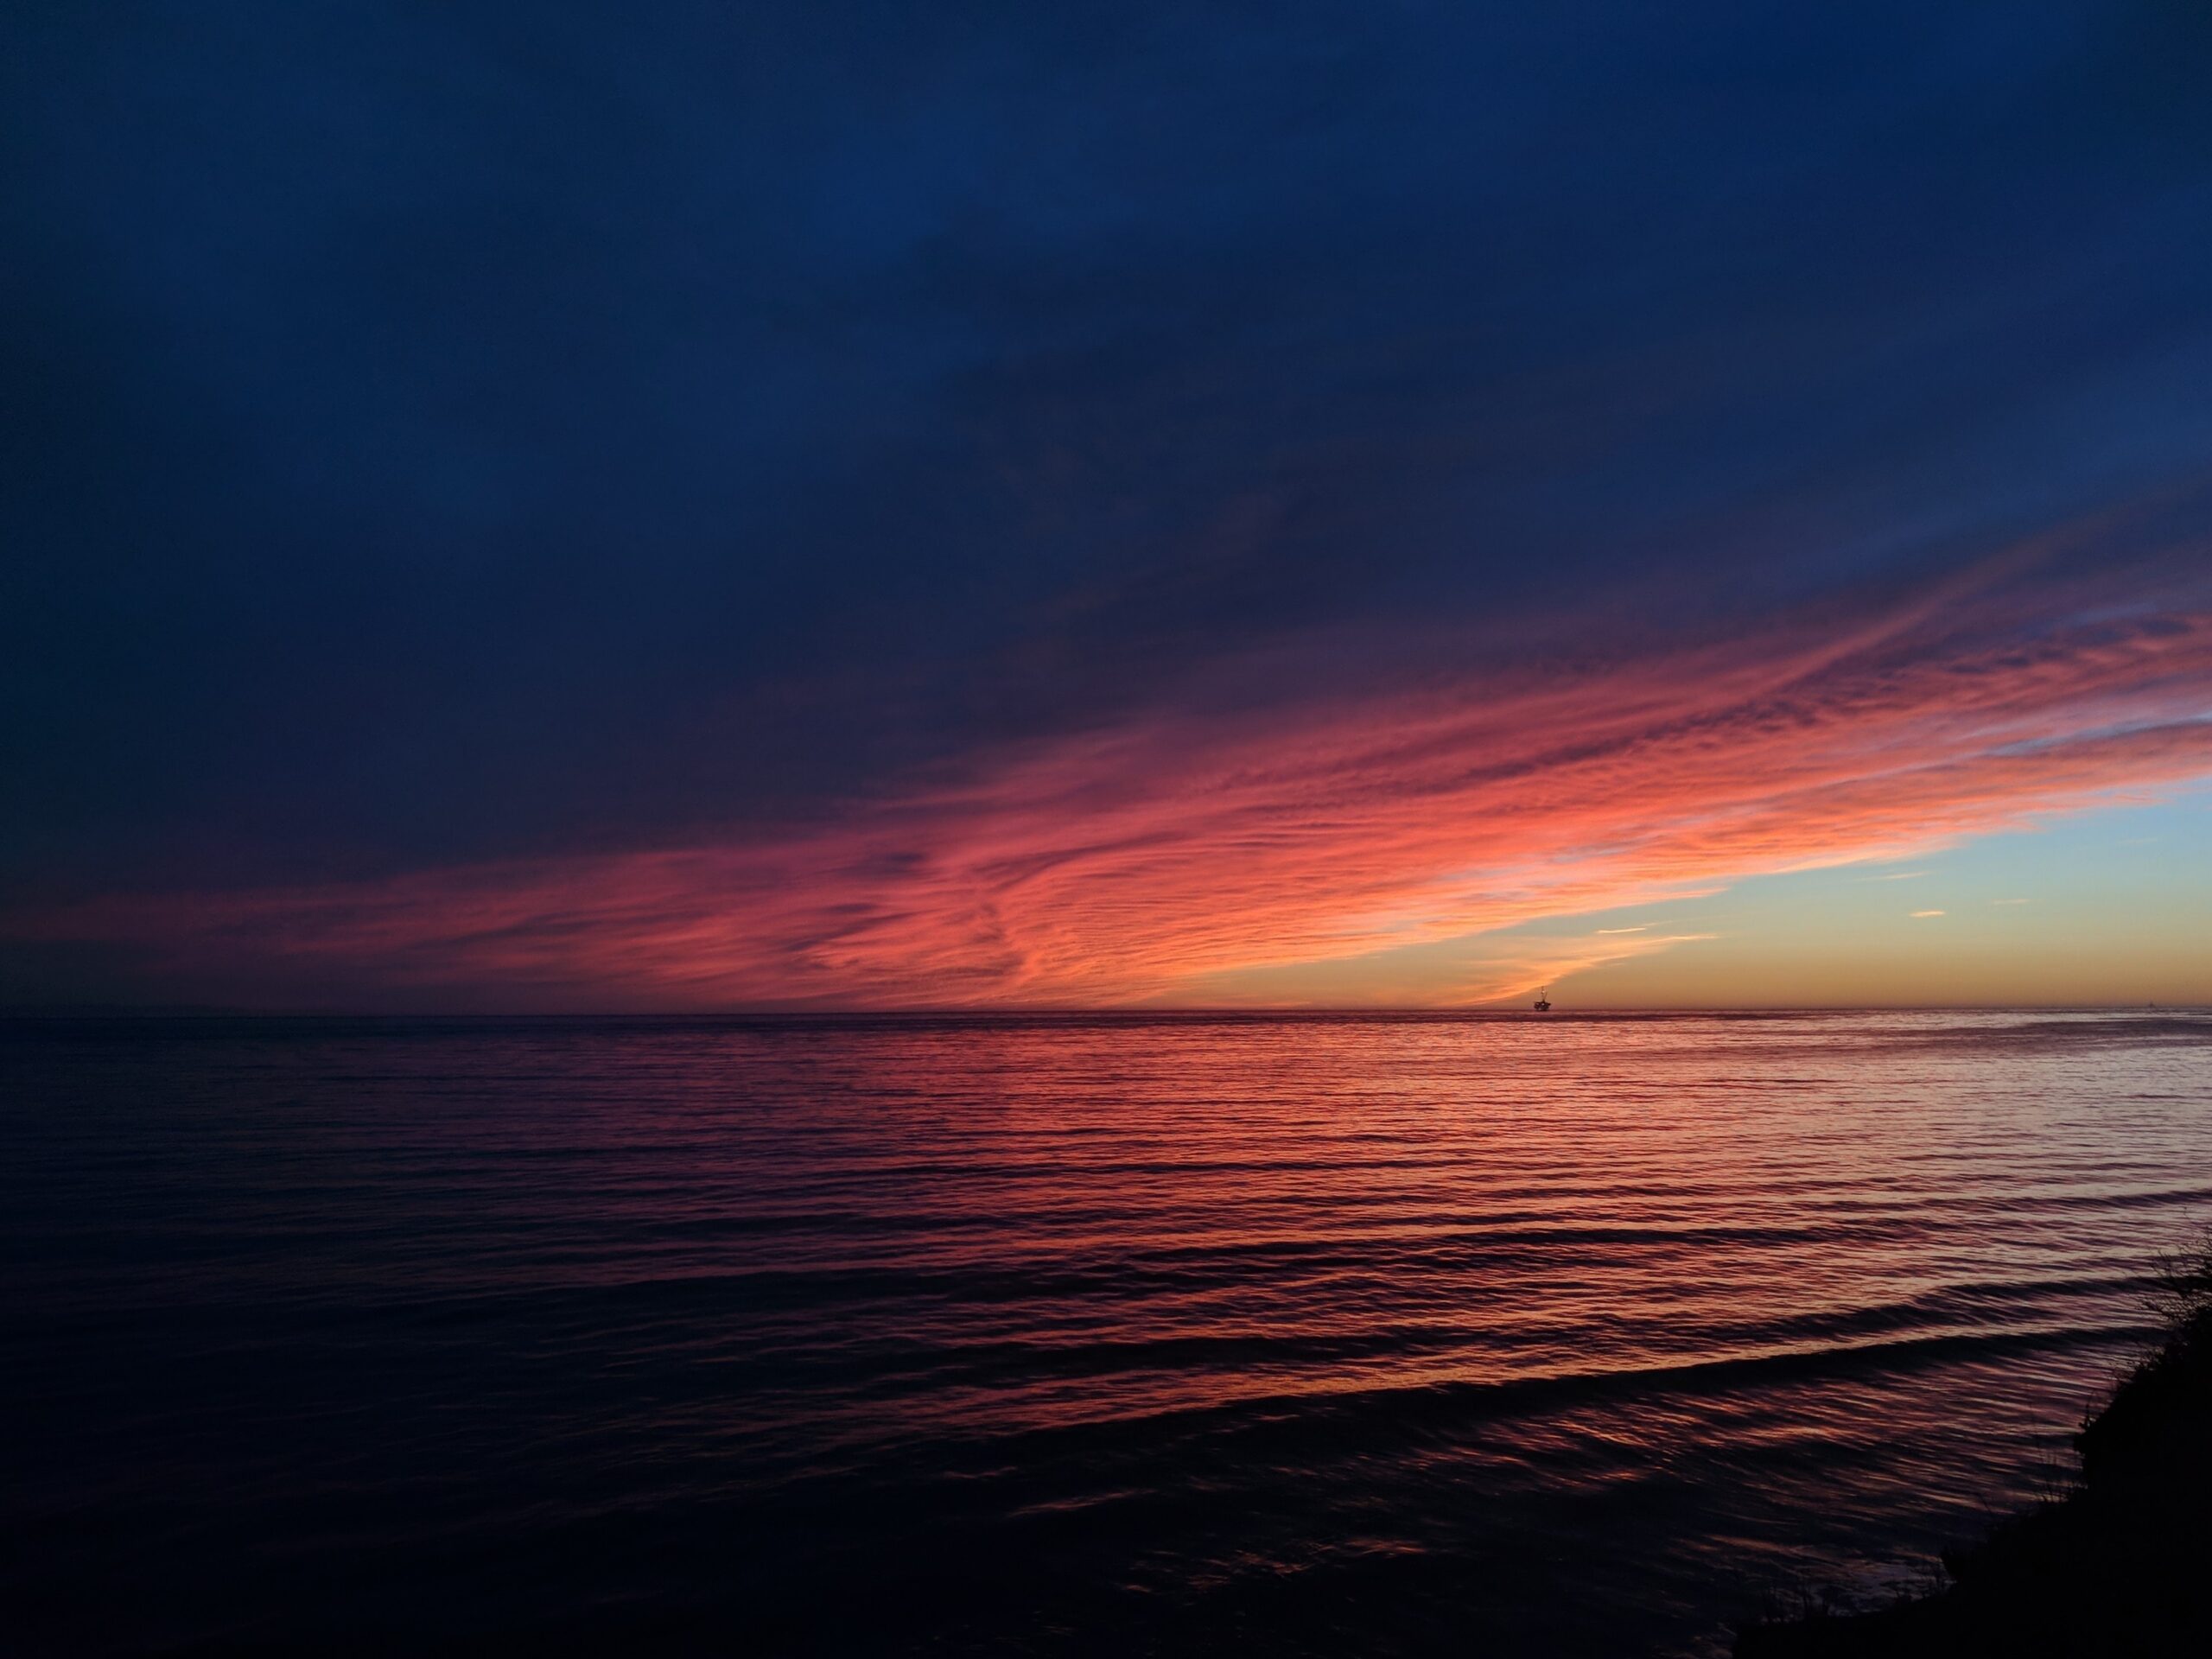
<point x="1187" y="857"/>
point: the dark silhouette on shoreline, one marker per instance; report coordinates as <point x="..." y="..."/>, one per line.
<point x="2116" y="1566"/>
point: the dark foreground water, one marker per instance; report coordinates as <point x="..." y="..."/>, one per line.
<point x="1493" y="1336"/>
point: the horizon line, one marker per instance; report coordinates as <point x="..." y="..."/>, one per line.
<point x="975" y="1010"/>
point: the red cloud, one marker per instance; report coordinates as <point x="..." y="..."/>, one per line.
<point x="1171" y="854"/>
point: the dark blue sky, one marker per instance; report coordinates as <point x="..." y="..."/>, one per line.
<point x="447" y="433"/>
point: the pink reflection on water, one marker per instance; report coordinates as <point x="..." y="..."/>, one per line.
<point x="1685" y="1301"/>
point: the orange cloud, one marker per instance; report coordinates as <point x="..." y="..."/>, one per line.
<point x="1186" y="857"/>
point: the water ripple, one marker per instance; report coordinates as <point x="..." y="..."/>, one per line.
<point x="1059" y="1334"/>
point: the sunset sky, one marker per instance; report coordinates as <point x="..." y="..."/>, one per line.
<point x="841" y="506"/>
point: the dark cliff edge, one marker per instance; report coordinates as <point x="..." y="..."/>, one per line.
<point x="2121" y="1564"/>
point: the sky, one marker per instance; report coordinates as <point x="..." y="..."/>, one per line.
<point x="691" y="507"/>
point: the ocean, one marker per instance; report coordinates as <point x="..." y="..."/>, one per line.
<point x="1330" y="1334"/>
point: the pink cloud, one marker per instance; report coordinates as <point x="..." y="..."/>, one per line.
<point x="1166" y="857"/>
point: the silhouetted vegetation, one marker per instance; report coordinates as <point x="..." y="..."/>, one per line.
<point x="2121" y="1564"/>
